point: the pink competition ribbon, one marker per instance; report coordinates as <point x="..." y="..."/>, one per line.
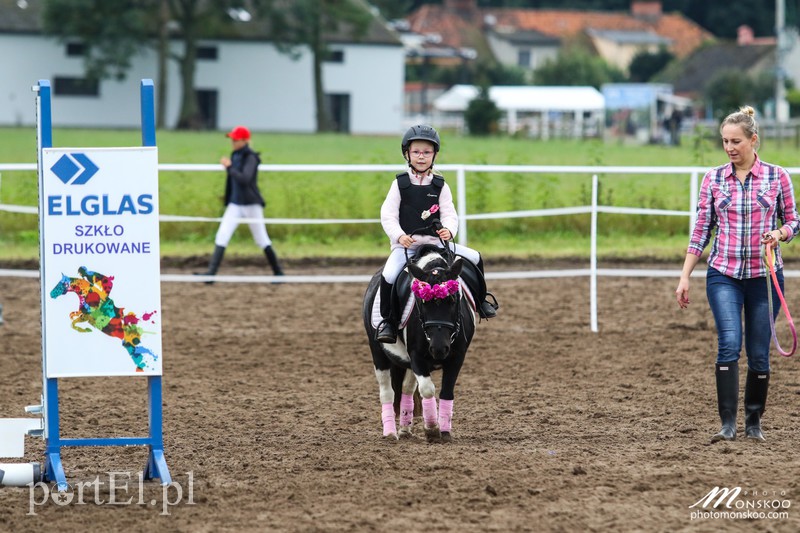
<point x="769" y="259"/>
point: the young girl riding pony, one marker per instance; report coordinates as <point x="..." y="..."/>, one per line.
<point x="416" y="199"/>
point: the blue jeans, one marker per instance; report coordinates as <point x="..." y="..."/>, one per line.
<point x="728" y="297"/>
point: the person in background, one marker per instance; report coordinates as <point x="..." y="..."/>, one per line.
<point x="675" y="119"/>
<point x="243" y="200"/>
<point x="744" y="204"/>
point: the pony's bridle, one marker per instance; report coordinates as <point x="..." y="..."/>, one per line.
<point x="453" y="326"/>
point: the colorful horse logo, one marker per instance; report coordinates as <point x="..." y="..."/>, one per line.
<point x="96" y="308"/>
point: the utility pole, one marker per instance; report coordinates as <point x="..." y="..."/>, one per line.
<point x="781" y="105"/>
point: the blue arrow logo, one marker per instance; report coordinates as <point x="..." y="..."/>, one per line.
<point x="74" y="169"/>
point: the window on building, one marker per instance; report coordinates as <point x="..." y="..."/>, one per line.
<point x="76" y="49"/>
<point x="335" y="56"/>
<point x="207" y="52"/>
<point x="523" y="58"/>
<point x="338" y="109"/>
<point x="69" y="86"/>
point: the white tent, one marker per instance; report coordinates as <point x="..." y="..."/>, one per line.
<point x="514" y="100"/>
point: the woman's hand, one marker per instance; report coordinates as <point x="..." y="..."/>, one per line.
<point x="682" y="293"/>
<point x="772" y="238"/>
<point x="226" y="162"/>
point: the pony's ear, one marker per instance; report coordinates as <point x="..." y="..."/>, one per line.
<point x="455" y="269"/>
<point x="416" y="271"/>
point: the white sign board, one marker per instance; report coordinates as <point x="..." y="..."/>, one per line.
<point x="101" y="293"/>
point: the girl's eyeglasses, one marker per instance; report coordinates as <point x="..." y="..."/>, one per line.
<point x="417" y="153"/>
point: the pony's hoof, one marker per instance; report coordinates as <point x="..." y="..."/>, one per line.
<point x="446" y="436"/>
<point x="433" y="433"/>
<point x="405" y="432"/>
<point x="390" y="437"/>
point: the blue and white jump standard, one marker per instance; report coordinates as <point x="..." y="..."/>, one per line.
<point x="53" y="470"/>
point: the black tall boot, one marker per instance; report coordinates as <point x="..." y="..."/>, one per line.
<point x="273" y="261"/>
<point x="213" y="265"/>
<point x="755" y="403"/>
<point x="386" y="331"/>
<point x="728" y="399"/>
<point x="486" y="309"/>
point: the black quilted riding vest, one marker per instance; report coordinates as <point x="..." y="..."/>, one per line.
<point x="414" y="199"/>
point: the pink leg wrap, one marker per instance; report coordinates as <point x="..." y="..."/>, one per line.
<point x="387" y="415"/>
<point x="429" y="411"/>
<point x="445" y="414"/>
<point x="406" y="409"/>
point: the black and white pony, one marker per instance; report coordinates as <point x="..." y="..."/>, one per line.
<point x="435" y="332"/>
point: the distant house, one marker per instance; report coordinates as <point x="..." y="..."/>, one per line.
<point x="748" y="55"/>
<point x="527" y="50"/>
<point x="526" y="37"/>
<point x="241" y="78"/>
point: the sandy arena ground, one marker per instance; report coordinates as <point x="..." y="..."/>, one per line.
<point x="272" y="417"/>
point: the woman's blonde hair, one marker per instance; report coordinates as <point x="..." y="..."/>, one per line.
<point x="745" y="118"/>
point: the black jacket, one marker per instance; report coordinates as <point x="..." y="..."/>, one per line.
<point x="241" y="186"/>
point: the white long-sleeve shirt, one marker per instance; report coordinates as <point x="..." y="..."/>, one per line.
<point x="390" y="212"/>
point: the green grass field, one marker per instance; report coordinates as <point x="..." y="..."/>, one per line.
<point x="360" y="194"/>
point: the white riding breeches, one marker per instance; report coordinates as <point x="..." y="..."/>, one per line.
<point x="397" y="259"/>
<point x="230" y="220"/>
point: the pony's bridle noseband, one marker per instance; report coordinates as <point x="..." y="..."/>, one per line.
<point x="455" y="328"/>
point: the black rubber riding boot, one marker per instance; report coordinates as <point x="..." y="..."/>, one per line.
<point x="273" y="261"/>
<point x="487" y="309"/>
<point x="728" y="399"/>
<point x="755" y="403"/>
<point x="386" y="331"/>
<point x="213" y="265"/>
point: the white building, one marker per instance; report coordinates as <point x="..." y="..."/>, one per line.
<point x="245" y="81"/>
<point x="542" y="111"/>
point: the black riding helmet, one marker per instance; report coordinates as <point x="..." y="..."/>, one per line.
<point x="420" y="132"/>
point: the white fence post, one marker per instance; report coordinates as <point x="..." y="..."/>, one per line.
<point x="693" y="195"/>
<point x="593" y="258"/>
<point x="461" y="204"/>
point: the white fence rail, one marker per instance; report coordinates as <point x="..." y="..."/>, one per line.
<point x="461" y="187"/>
<point x="693" y="174"/>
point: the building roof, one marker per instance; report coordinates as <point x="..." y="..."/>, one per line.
<point x="526" y="37"/>
<point x="24" y="16"/>
<point x="20" y="16"/>
<point x="684" y="34"/>
<point x="630" y="37"/>
<point x="697" y="70"/>
<point x="464" y="28"/>
<point x="525" y="98"/>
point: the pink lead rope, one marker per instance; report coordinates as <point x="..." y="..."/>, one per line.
<point x="769" y="259"/>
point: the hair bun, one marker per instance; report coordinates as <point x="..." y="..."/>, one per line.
<point x="747" y="110"/>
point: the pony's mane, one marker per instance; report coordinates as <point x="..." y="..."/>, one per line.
<point x="432" y="259"/>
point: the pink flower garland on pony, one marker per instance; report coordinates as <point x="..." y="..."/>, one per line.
<point x="428" y="292"/>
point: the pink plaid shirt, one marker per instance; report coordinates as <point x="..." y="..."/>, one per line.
<point x="741" y="213"/>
